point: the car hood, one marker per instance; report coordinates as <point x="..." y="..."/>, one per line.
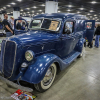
<point x="34" y="37"/>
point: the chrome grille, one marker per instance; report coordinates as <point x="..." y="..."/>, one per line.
<point x="9" y="56"/>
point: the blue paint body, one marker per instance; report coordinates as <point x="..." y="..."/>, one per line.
<point x="57" y="47"/>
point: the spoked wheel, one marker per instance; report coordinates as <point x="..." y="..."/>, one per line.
<point x="48" y="80"/>
<point x="82" y="53"/>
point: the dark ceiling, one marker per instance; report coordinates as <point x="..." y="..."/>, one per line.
<point x="34" y="7"/>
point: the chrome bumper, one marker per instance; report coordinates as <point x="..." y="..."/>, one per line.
<point x="16" y="85"/>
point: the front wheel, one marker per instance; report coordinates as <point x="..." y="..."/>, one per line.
<point x="48" y="79"/>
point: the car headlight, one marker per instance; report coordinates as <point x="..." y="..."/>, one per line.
<point x="29" y="55"/>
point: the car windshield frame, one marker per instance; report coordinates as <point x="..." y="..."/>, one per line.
<point x="54" y="19"/>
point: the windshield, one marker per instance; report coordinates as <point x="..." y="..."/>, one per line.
<point x="47" y="24"/>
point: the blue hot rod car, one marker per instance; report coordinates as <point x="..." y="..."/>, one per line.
<point x="51" y="43"/>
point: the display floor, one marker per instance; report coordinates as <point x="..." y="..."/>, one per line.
<point x="80" y="81"/>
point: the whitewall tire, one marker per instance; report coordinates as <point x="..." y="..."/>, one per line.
<point x="48" y="80"/>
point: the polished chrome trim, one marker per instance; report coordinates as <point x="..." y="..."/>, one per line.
<point x="14" y="57"/>
<point x="56" y="19"/>
<point x="3" y="57"/>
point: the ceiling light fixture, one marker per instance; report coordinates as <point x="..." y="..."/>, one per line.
<point x="70" y="6"/>
<point x="68" y="10"/>
<point x="91" y="11"/>
<point x="34" y="7"/>
<point x="81" y="8"/>
<point x="21" y="10"/>
<point x="8" y="5"/>
<point x="13" y="3"/>
<point x="59" y="11"/>
<point x="93" y="2"/>
<point x="78" y="12"/>
<point x="19" y="0"/>
<point x="88" y="14"/>
<point x="40" y="10"/>
<point x="28" y="8"/>
<point x="43" y="5"/>
<point x="4" y="7"/>
<point x="95" y="15"/>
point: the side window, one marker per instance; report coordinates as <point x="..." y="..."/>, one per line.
<point x="69" y="28"/>
<point x="88" y="25"/>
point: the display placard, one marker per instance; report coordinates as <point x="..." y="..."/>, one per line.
<point x="54" y="25"/>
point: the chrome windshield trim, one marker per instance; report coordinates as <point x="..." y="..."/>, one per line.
<point x="56" y="19"/>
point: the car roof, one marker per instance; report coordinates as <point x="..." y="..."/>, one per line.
<point x="61" y="16"/>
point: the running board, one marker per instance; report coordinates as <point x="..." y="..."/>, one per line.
<point x="71" y="58"/>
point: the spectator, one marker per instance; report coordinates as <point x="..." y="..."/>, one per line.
<point x="97" y="33"/>
<point x="8" y="28"/>
<point x="12" y="22"/>
<point x="19" y="26"/>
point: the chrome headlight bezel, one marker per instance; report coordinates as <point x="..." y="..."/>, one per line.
<point x="29" y="55"/>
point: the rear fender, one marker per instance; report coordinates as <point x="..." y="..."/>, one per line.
<point x="79" y="45"/>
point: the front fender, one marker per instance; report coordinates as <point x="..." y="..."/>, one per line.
<point x="79" y="45"/>
<point x="37" y="70"/>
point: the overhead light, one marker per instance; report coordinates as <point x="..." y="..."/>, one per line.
<point x="37" y="13"/>
<point x="81" y="8"/>
<point x="8" y="5"/>
<point x="93" y="2"/>
<point x="78" y="12"/>
<point x="28" y="12"/>
<point x="91" y="11"/>
<point x="68" y="10"/>
<point x="13" y="3"/>
<point x="42" y="13"/>
<point x="70" y="6"/>
<point x="19" y="0"/>
<point x="11" y="12"/>
<point x="8" y="13"/>
<point x="42" y="5"/>
<point x="32" y="11"/>
<point x="95" y="15"/>
<point x="88" y="14"/>
<point x="59" y="11"/>
<point x="21" y="10"/>
<point x="40" y="10"/>
<point x="4" y="7"/>
<point x="27" y="8"/>
<point x="34" y="7"/>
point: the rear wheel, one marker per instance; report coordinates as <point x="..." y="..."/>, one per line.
<point x="48" y="79"/>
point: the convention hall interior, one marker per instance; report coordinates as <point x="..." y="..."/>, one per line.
<point x="49" y="50"/>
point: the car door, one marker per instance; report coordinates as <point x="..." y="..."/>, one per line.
<point x="67" y="40"/>
<point x="24" y="26"/>
<point x="90" y="24"/>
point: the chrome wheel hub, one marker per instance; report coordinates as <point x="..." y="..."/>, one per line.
<point x="49" y="76"/>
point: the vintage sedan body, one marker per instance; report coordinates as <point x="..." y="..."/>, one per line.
<point x="52" y="42"/>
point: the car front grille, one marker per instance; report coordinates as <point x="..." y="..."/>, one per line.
<point x="8" y="58"/>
